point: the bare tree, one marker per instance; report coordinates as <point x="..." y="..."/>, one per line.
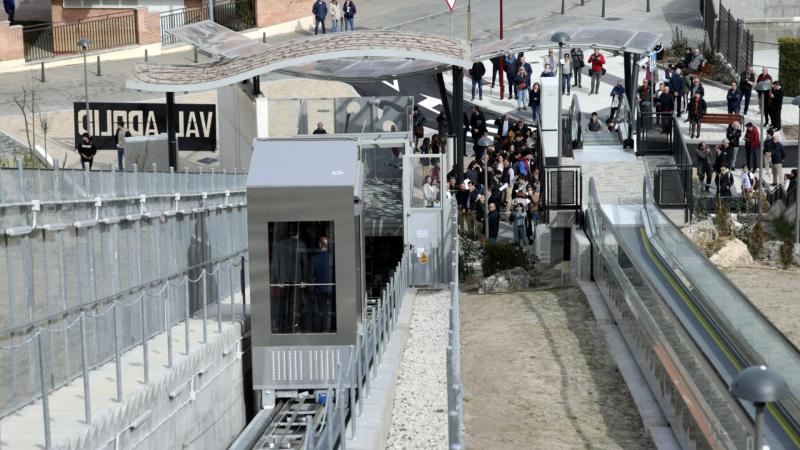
<point x="43" y="124"/>
<point x="27" y="105"/>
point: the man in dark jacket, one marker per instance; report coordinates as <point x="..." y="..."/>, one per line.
<point x="774" y="105"/>
<point x="747" y="80"/>
<point x="676" y="88"/>
<point x="477" y="123"/>
<point x="734" y="98"/>
<point x="495" y="68"/>
<point x="577" y="64"/>
<point x="87" y="150"/>
<point x="320" y="11"/>
<point x="777" y="155"/>
<point x="494" y="222"/>
<point x="665" y="107"/>
<point x="476" y="73"/>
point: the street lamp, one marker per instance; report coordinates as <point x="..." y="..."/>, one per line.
<point x="760" y="385"/>
<point x="762" y="88"/>
<point x="562" y="38"/>
<point x="84" y="44"/>
<point x="796" y="102"/>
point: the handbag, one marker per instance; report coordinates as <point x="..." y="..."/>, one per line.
<point x="521" y="86"/>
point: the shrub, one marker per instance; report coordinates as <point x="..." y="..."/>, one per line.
<point x="723" y="219"/>
<point x="784" y="230"/>
<point x="787" y="248"/>
<point x="679" y="43"/>
<point x="504" y="255"/>
<point x="469" y="254"/>
<point x="755" y="242"/>
<point x="789" y="64"/>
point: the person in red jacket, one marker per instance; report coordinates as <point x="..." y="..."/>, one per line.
<point x="752" y="144"/>
<point x="596" y="70"/>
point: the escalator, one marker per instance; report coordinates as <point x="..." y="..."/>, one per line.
<point x="693" y="330"/>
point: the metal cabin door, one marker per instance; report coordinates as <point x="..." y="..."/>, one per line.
<point x="423" y="197"/>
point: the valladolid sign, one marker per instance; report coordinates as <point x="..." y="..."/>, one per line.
<point x="196" y="123"/>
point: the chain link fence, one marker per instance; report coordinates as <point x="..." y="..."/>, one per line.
<point x="95" y="263"/>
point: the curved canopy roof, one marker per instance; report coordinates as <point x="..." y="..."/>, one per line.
<point x="352" y="56"/>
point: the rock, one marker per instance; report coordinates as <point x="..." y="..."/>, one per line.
<point x="736" y="226"/>
<point x="506" y="281"/>
<point x="733" y="253"/>
<point x="775" y="210"/>
<point x="789" y="214"/>
<point x="771" y="251"/>
<point x="700" y="233"/>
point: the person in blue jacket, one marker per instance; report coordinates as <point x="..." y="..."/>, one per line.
<point x="320" y="11"/>
<point x="9" y="6"/>
<point x="734" y="98"/>
<point x="616" y="98"/>
<point x="676" y="89"/>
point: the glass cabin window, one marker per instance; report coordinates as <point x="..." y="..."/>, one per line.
<point x="302" y="277"/>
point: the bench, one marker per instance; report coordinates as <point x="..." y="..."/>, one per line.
<point x="723" y="119"/>
<point x="706" y="71"/>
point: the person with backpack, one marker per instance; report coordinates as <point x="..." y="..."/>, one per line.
<point x="577" y="64"/>
<point x="349" y="13"/>
<point x="597" y="60"/>
<point x="320" y="11"/>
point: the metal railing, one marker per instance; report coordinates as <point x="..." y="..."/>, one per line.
<point x="455" y="388"/>
<point x="564" y="190"/>
<point x="79" y="244"/>
<point x="236" y="15"/>
<point x="357" y="373"/>
<point x="50" y="40"/>
<point x="694" y="399"/>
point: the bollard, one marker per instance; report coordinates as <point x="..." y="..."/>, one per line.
<point x="195" y="54"/>
<point x="145" y="55"/>
<point x="264" y="37"/>
<point x="99" y="74"/>
<point x="42" y="71"/>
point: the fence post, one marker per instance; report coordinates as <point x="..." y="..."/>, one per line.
<point x="145" y="337"/>
<point x="219" y="305"/>
<point x="168" y="326"/>
<point x="353" y="383"/>
<point x="309" y="440"/>
<point x="230" y="288"/>
<point x="186" y="319"/>
<point x="117" y="360"/>
<point x="87" y="402"/>
<point x="205" y="306"/>
<point x="45" y="393"/>
<point x="243" y="280"/>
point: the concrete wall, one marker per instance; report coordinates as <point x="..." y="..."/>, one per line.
<point x="207" y="411"/>
<point x="238" y="124"/>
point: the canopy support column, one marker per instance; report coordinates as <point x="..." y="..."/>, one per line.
<point x="458" y="119"/>
<point x="630" y="81"/>
<point x="172" y="144"/>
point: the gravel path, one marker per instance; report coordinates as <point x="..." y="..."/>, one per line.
<point x="774" y="292"/>
<point x="537" y="375"/>
<point x="419" y="419"/>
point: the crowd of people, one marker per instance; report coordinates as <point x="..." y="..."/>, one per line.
<point x="502" y="178"/>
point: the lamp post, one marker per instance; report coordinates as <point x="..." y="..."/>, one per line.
<point x="796" y="102"/>
<point x="502" y="72"/>
<point x="762" y="88"/>
<point x="562" y="38"/>
<point x="84" y="44"/>
<point x="760" y="385"/>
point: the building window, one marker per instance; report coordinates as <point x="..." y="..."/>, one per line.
<point x="302" y="277"/>
<point x="100" y="3"/>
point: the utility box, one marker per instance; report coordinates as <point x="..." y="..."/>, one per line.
<point x="305" y="231"/>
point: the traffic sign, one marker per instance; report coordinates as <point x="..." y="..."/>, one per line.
<point x="450" y="4"/>
<point x="423" y="259"/>
<point x="652" y="61"/>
